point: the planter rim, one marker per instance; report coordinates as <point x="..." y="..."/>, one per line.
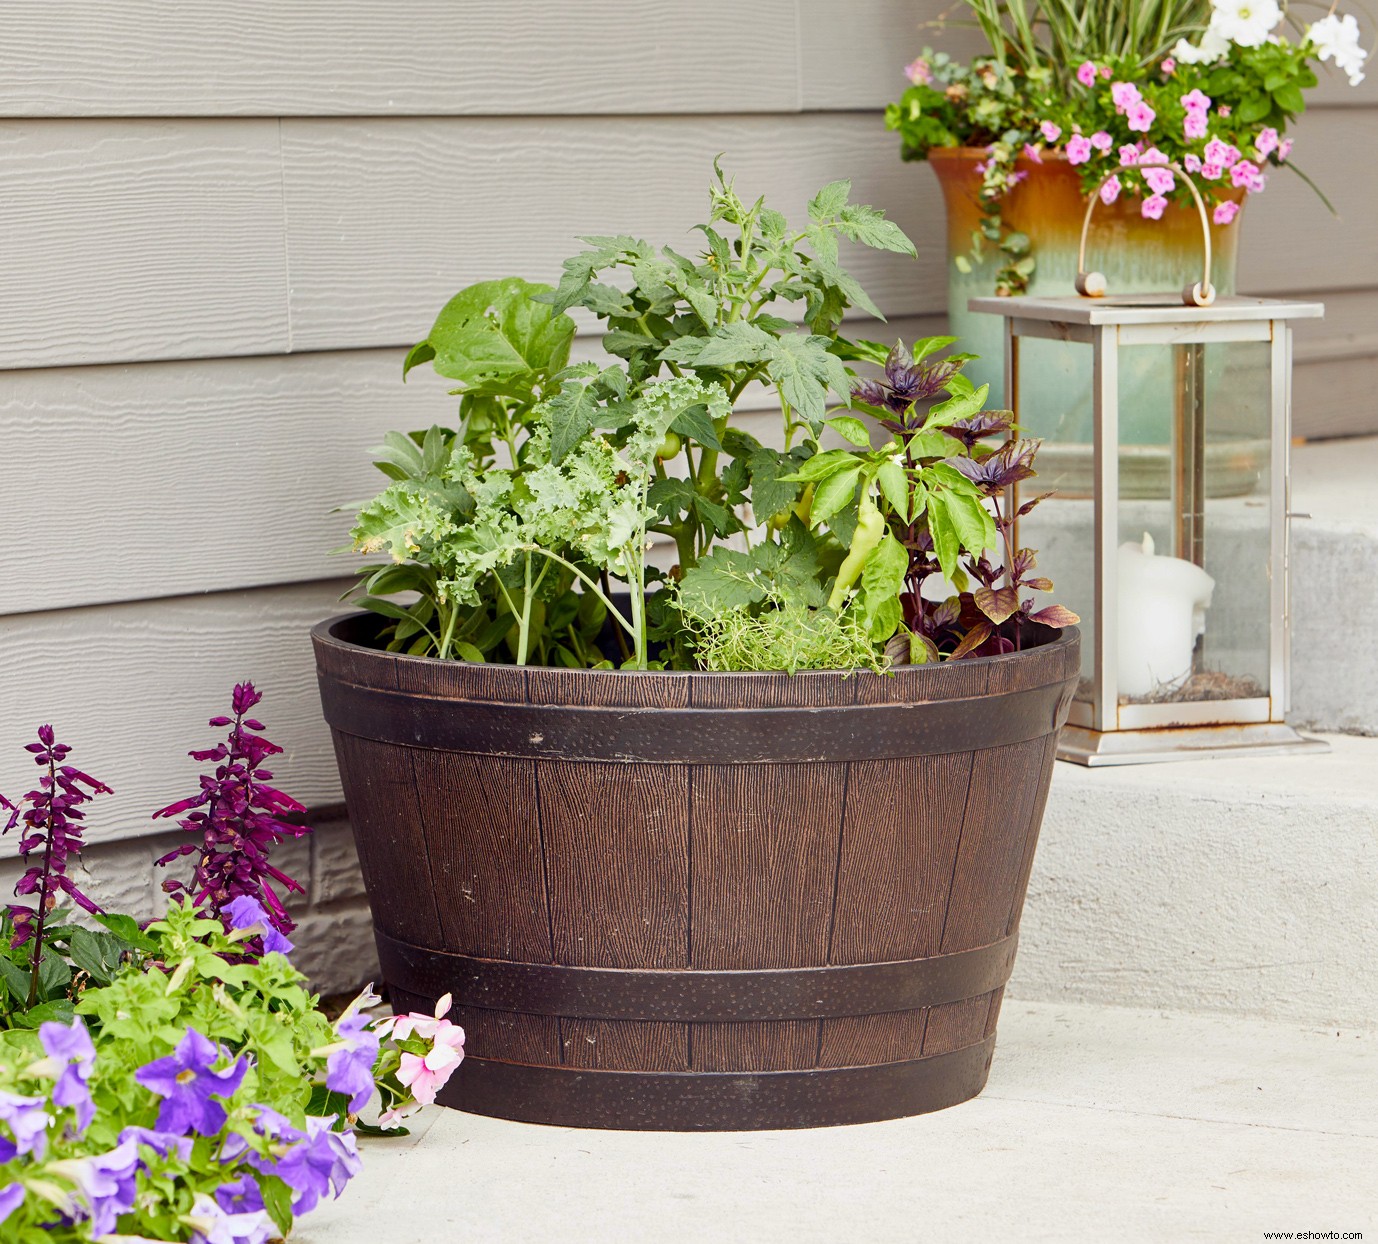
<point x="324" y="633"/>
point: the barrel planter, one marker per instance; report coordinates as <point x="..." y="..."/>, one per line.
<point x="690" y="901"/>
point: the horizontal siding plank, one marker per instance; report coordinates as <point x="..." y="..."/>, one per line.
<point x="387" y="218"/>
<point x="140" y="240"/>
<point x="433" y="57"/>
<point x="130" y="241"/>
<point x="131" y="687"/>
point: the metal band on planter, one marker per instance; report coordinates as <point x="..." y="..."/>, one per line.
<point x="693" y="735"/>
<point x="719" y="1101"/>
<point x="695" y="996"/>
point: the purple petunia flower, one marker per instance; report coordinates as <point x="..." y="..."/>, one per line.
<point x="11" y="1198"/>
<point x="27" y="1119"/>
<point x="242" y="1196"/>
<point x="325" y="1159"/>
<point x="106" y="1185"/>
<point x="245" y="912"/>
<point x="185" y="1081"/>
<point x="162" y="1143"/>
<point x="72" y="1047"/>
<point x="349" y="1069"/>
<point x="212" y="1224"/>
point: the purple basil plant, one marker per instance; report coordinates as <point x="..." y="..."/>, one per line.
<point x="239" y="819"/>
<point x="51" y="816"/>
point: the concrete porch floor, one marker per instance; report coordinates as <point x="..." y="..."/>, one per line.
<point x="1098" y="1124"/>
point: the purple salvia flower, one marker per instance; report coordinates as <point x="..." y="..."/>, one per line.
<point x="349" y="1068"/>
<point x="106" y="1186"/>
<point x="239" y="819"/>
<point x="11" y="1198"/>
<point x="246" y="912"/>
<point x="71" y="1047"/>
<point x="27" y="1119"/>
<point x="211" y="1223"/>
<point x="187" y="1084"/>
<point x="51" y="820"/>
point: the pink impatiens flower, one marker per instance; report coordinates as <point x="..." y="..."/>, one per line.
<point x="1102" y="141"/>
<point x="1111" y="190"/>
<point x="1266" y="142"/>
<point x="1160" y="180"/>
<point x="1153" y="207"/>
<point x="1086" y="73"/>
<point x="1225" y="212"/>
<point x="918" y="72"/>
<point x="1078" y="149"/>
<point x="1139" y="116"/>
<point x="1125" y="95"/>
<point x="1050" y="131"/>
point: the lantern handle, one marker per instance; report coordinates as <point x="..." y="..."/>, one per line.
<point x="1093" y="284"/>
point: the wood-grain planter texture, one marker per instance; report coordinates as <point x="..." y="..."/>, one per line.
<point x="699" y="901"/>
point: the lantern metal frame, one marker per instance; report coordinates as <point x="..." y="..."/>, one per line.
<point x="1104" y="731"/>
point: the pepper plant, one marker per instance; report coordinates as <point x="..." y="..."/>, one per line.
<point x="524" y="532"/>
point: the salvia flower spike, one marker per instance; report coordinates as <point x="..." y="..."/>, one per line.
<point x="239" y="818"/>
<point x="50" y="822"/>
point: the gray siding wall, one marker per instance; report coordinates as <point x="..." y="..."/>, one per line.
<point x="220" y="226"/>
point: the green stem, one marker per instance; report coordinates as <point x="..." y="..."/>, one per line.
<point x="591" y="584"/>
<point x="449" y="633"/>
<point x="524" y="628"/>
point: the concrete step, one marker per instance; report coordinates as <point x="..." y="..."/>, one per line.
<point x="1097" y="1124"/>
<point x="1247" y="885"/>
<point x="1335" y="585"/>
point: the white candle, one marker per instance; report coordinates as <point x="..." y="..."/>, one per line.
<point x="1162" y="603"/>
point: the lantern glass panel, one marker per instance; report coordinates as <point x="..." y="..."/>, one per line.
<point x="1201" y="495"/>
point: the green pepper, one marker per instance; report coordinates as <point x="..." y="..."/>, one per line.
<point x="870" y="530"/>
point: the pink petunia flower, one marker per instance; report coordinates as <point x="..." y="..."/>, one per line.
<point x="918" y="72"/>
<point x="1195" y="124"/>
<point x="1245" y="174"/>
<point x="1266" y="142"/>
<point x="1050" y="131"/>
<point x="1105" y="72"/>
<point x="1225" y="212"/>
<point x="1211" y="171"/>
<point x="1196" y="101"/>
<point x="1078" y="149"/>
<point x="1033" y="153"/>
<point x="1086" y="73"/>
<point x="1169" y="66"/>
<point x="1284" y="150"/>
<point x="1153" y="207"/>
<point x="1140" y="117"/>
<point x="1102" y="141"/>
<point x="1191" y="162"/>
<point x="1160" y="180"/>
<point x="1225" y="110"/>
<point x="1111" y="190"/>
<point x="1016" y="177"/>
<point x="1151" y="156"/>
<point x="1125" y="95"/>
<point x="1221" y="153"/>
<point x="1128" y="155"/>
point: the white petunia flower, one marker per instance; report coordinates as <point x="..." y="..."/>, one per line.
<point x="1245" y="22"/>
<point x="1212" y="47"/>
<point x="1337" y="39"/>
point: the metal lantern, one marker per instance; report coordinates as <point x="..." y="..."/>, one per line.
<point x="1167" y="525"/>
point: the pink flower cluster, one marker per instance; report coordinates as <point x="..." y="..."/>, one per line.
<point x="425" y="1074"/>
<point x="1198" y="105"/>
<point x="1132" y="105"/>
